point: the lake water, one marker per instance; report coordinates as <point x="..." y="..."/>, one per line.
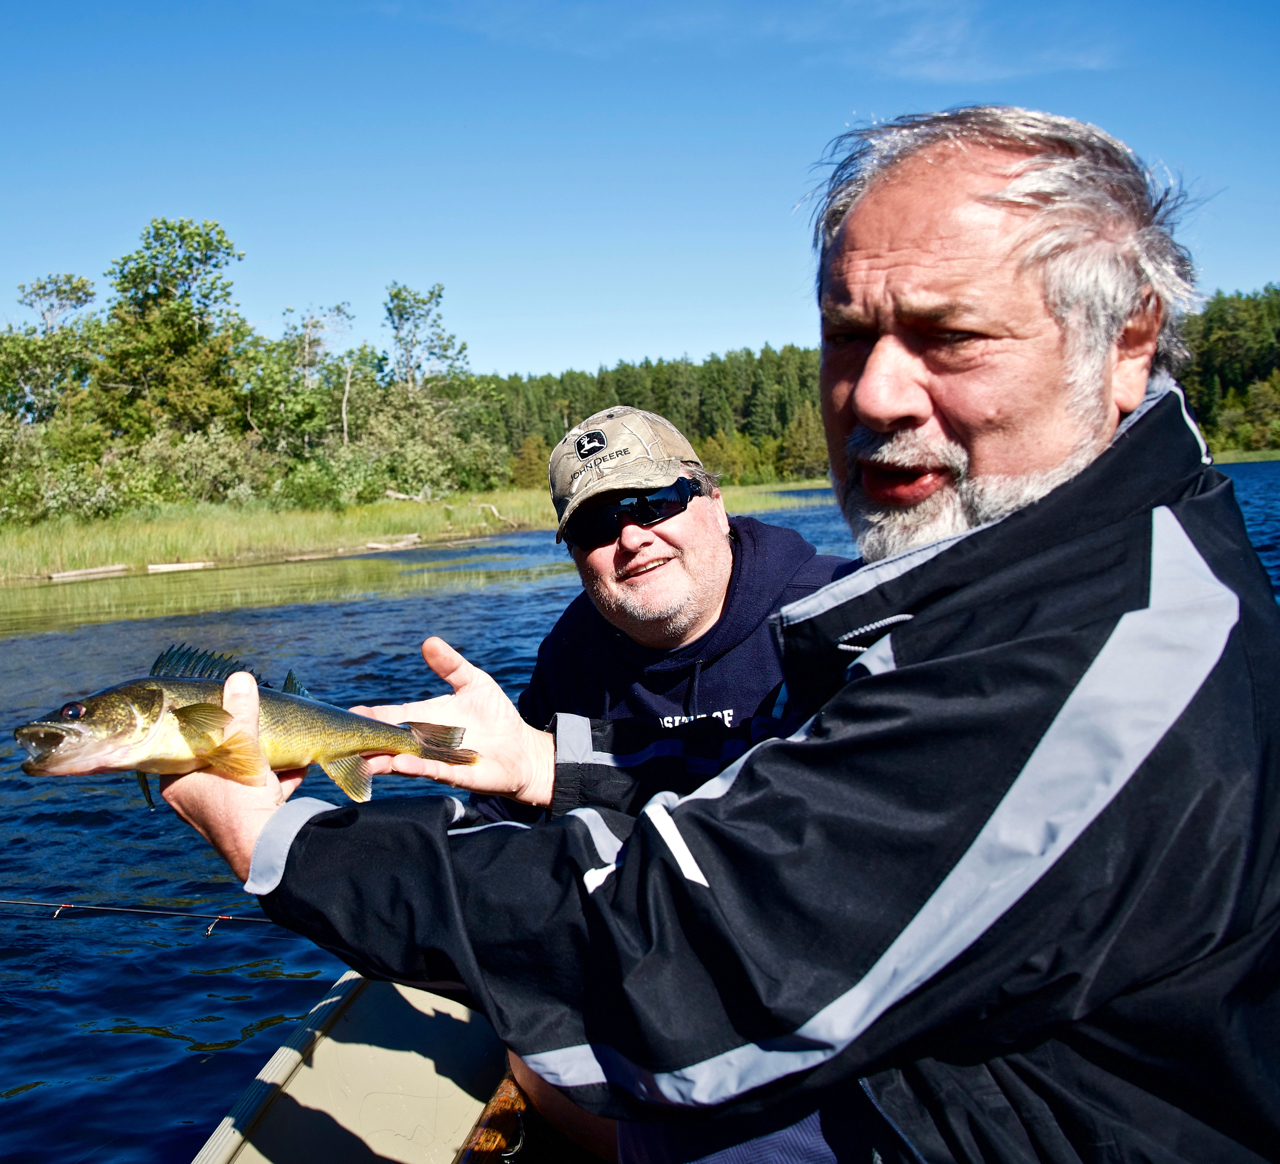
<point x="126" y="1038"/>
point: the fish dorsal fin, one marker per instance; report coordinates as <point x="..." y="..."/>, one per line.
<point x="184" y="662"/>
<point x="293" y="687"/>
<point x="351" y="774"/>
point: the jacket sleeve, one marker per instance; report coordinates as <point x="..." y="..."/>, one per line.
<point x="643" y="762"/>
<point x="894" y="878"/>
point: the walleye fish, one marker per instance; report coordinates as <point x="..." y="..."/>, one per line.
<point x="172" y="722"/>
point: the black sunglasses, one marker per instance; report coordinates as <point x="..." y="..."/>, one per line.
<point x="598" y="525"/>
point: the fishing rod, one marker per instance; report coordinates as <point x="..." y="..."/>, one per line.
<point x="217" y="917"/>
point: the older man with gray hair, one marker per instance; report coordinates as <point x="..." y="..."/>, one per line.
<point x="1010" y="893"/>
<point x="1086" y="224"/>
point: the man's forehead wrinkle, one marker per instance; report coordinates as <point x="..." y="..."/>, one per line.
<point x="924" y="247"/>
<point x="913" y="282"/>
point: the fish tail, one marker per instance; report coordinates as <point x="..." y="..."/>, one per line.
<point x="436" y="742"/>
<point x="237" y="758"/>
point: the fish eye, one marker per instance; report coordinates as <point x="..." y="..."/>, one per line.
<point x="72" y="711"/>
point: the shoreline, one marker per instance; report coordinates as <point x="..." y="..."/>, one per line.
<point x="197" y="538"/>
<point x="1245" y="456"/>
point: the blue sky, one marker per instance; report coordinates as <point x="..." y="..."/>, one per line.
<point x="590" y="181"/>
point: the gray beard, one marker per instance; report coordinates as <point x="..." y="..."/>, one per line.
<point x="675" y="617"/>
<point x="964" y="503"/>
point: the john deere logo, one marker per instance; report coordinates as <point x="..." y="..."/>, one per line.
<point x="590" y="443"/>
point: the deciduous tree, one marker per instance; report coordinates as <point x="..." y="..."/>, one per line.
<point x="41" y="364"/>
<point x="169" y="356"/>
<point x="424" y="353"/>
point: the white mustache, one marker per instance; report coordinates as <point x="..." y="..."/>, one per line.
<point x="906" y="449"/>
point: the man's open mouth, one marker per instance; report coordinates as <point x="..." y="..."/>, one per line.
<point x="641" y="571"/>
<point x="898" y="485"/>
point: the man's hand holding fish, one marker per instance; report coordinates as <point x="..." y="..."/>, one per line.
<point x="230" y="815"/>
<point x="515" y="759"/>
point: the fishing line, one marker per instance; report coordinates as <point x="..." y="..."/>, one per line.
<point x="217" y="917"/>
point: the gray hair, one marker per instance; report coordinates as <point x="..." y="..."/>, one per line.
<point x="709" y="482"/>
<point x="1101" y="222"/>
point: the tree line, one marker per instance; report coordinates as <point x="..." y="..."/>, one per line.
<point x="165" y="394"/>
<point x="1233" y="376"/>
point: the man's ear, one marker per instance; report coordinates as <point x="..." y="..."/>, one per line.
<point x="722" y="517"/>
<point x="1132" y="353"/>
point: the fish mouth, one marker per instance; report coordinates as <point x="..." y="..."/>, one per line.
<point x="41" y="741"/>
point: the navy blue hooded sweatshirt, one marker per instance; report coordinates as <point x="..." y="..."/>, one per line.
<point x="588" y="667"/>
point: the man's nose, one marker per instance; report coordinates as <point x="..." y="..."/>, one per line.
<point x="890" y="393"/>
<point x="632" y="536"/>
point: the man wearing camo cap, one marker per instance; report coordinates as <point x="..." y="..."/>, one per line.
<point x="673" y="624"/>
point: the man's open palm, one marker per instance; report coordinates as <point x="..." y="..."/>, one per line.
<point x="515" y="759"/>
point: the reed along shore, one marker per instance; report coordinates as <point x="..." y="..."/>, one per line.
<point x="225" y="535"/>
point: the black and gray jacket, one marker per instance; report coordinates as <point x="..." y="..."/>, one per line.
<point x="1012" y="889"/>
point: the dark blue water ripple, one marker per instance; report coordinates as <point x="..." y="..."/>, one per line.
<point x="127" y="1039"/>
<point x="1257" y="487"/>
<point x="144" y="1028"/>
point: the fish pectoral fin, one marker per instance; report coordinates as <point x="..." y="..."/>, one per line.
<point x="203" y="718"/>
<point x="146" y="789"/>
<point x="293" y="686"/>
<point x="437" y="742"/>
<point x="199" y="723"/>
<point x="351" y="774"/>
<point x="237" y="758"/>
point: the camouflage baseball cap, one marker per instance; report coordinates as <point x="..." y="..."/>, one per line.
<point x="619" y="448"/>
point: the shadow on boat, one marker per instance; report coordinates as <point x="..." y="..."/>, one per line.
<point x="306" y="1133"/>
<point x="377" y="1072"/>
<point x="462" y="1050"/>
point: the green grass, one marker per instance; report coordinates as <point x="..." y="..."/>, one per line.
<point x="1235" y="456"/>
<point x="227" y="536"/>
<point x="230" y="536"/>
<point x="781" y="495"/>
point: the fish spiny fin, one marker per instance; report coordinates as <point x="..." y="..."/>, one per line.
<point x="436" y="742"/>
<point x="184" y="662"/>
<point x="146" y="789"/>
<point x="205" y="718"/>
<point x="293" y="687"/>
<point x="237" y="758"/>
<point x="351" y="774"/>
